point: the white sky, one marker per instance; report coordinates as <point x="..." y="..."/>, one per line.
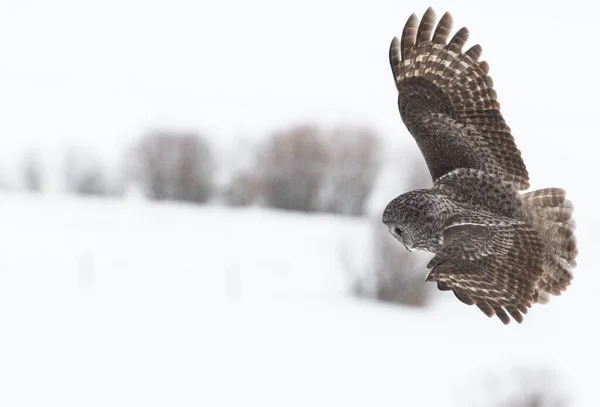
<point x="99" y="73"/>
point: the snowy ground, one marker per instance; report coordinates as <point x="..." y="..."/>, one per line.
<point x="125" y="303"/>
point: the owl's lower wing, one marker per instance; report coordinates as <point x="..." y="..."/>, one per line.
<point x="493" y="263"/>
<point x="447" y="101"/>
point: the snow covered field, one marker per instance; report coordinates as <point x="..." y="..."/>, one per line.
<point x="126" y="303"/>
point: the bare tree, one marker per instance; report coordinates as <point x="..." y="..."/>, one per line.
<point x="176" y="166"/>
<point x="193" y="178"/>
<point x="32" y="171"/>
<point x="309" y="169"/>
<point x="351" y="171"/>
<point x="290" y="168"/>
<point x="155" y="165"/>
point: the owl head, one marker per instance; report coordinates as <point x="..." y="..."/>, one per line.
<point x="415" y="220"/>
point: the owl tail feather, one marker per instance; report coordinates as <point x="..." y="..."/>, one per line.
<point x="551" y="213"/>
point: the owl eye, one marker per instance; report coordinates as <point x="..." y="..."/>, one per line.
<point x="397" y="231"/>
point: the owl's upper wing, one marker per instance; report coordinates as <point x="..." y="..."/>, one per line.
<point x="494" y="263"/>
<point x="447" y="101"/>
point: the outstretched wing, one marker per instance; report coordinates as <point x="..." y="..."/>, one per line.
<point x="494" y="263"/>
<point x="447" y="101"/>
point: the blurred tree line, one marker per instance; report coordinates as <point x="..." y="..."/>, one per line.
<point x="309" y="169"/>
<point x="302" y="168"/>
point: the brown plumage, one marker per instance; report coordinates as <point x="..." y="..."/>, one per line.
<point x="495" y="247"/>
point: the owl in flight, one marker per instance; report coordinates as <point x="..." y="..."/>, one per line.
<point x="495" y="247"/>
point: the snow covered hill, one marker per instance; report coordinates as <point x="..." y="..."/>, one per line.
<point x="126" y="303"/>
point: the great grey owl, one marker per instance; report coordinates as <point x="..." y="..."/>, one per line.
<point x="495" y="247"/>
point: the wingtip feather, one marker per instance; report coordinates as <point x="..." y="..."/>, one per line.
<point x="458" y="40"/>
<point x="426" y="26"/>
<point x="440" y="35"/>
<point x="474" y="52"/>
<point x="408" y="38"/>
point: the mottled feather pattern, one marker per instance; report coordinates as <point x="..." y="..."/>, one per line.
<point x="480" y="190"/>
<point x="490" y="262"/>
<point x="495" y="247"/>
<point x="551" y="212"/>
<point x="465" y="95"/>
